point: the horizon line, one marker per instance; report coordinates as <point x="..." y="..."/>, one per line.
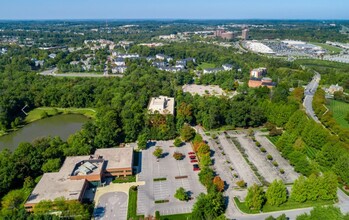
<point x="175" y="19"/>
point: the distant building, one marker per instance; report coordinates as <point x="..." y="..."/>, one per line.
<point x="212" y="70"/>
<point x="120" y="61"/>
<point x="258" y="73"/>
<point x="245" y="34"/>
<point x="119" y="69"/>
<point x="227" y="35"/>
<point x="255" y="83"/>
<point x="335" y="88"/>
<point x="227" y="67"/>
<point x="163" y="105"/>
<point x="224" y="34"/>
<point x="163" y="57"/>
<point x="52" y="55"/>
<point x="72" y="179"/>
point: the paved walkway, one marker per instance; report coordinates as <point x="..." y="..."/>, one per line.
<point x="115" y="187"/>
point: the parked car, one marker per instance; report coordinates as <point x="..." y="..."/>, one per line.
<point x="191" y="153"/>
<point x="192" y="157"/>
<point x="193" y="161"/>
<point x="196" y="167"/>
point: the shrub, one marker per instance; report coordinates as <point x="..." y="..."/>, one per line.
<point x="263" y="149"/>
<point x="235" y="175"/>
<point x="258" y="144"/>
<point x="241" y="183"/>
<point x="178" y="155"/>
<point x="158" y="152"/>
<point x="269" y="157"/>
<point x="282" y="171"/>
<point x="275" y="163"/>
<point x="157" y="215"/>
<point x="275" y="132"/>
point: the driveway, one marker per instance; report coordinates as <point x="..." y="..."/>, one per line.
<point x="309" y="95"/>
<point x="112" y="206"/>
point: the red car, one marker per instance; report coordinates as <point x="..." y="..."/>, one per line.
<point x="191" y="153"/>
<point x="193" y="161"/>
<point x="196" y="167"/>
<point x="192" y="157"/>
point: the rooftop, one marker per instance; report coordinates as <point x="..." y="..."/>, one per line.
<point x="116" y="157"/>
<point x="161" y="104"/>
<point x="55" y="185"/>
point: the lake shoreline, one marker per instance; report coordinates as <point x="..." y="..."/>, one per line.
<point x="46" y="112"/>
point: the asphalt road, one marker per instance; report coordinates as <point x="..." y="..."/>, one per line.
<point x="52" y="72"/>
<point x="309" y="95"/>
<point x="112" y="206"/>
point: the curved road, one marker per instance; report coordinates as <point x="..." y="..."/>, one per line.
<point x="309" y="95"/>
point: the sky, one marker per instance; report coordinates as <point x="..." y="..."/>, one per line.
<point x="174" y="9"/>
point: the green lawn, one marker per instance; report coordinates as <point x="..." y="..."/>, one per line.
<point x="39" y="113"/>
<point x="286" y="206"/>
<point x="273" y="139"/>
<point x="340" y="111"/>
<point x="126" y="179"/>
<point x="176" y="217"/>
<point x="206" y="65"/>
<point x="132" y="203"/>
<point x="311" y="152"/>
<point x="332" y="49"/>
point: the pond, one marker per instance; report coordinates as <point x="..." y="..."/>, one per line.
<point x="59" y="125"/>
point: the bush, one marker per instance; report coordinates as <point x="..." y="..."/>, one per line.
<point x="275" y="163"/>
<point x="158" y="152"/>
<point x="263" y="149"/>
<point x="275" y="132"/>
<point x="178" y="155"/>
<point x="282" y="171"/>
<point x="157" y="215"/>
<point x="258" y="144"/>
<point x="241" y="183"/>
<point x="269" y="157"/>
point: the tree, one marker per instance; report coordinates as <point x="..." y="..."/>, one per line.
<point x="181" y="194"/>
<point x="210" y="206"/>
<point x="206" y="176"/>
<point x="13" y="201"/>
<point x="299" y="191"/>
<point x="255" y="197"/>
<point x="203" y="149"/>
<point x="322" y="212"/>
<point x="276" y="193"/>
<point x="177" y="142"/>
<point x="187" y="133"/>
<point x="158" y="152"/>
<point x="205" y="161"/>
<point x="142" y="141"/>
<point x="51" y="165"/>
<point x="219" y="183"/>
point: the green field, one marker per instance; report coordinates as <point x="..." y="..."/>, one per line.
<point x="332" y="49"/>
<point x="206" y="65"/>
<point x="176" y="217"/>
<point x="132" y="203"/>
<point x="340" y="111"/>
<point x="39" y="113"/>
<point x="286" y="206"/>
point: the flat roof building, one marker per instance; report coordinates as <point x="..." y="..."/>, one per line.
<point x="163" y="105"/>
<point x="72" y="179"/>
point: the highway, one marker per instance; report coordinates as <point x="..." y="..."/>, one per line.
<point x="309" y="95"/>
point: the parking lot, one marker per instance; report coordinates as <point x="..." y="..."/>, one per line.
<point x="265" y="168"/>
<point x="238" y="162"/>
<point x="169" y="168"/>
<point x="290" y="175"/>
<point x="112" y="206"/>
